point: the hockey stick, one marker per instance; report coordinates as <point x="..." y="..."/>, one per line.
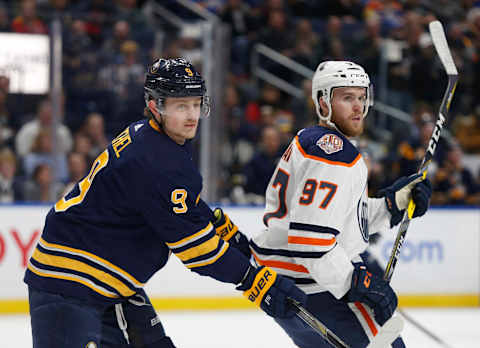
<point x="385" y="336"/>
<point x="317" y="326"/>
<point x="441" y="45"/>
<point x="423" y="329"/>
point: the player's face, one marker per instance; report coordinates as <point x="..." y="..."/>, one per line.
<point x="180" y="118"/>
<point x="347" y="109"/>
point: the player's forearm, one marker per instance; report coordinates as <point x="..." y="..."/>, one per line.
<point x="231" y="267"/>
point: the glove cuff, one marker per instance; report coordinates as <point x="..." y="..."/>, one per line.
<point x="257" y="284"/>
<point x="224" y="227"/>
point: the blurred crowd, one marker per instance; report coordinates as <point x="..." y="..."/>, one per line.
<point x="108" y="43"/>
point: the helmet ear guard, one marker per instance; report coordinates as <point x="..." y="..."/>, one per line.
<point x="332" y="74"/>
<point x="174" y="78"/>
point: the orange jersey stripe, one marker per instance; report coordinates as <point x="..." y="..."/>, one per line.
<point x="281" y="264"/>
<point x="317" y="158"/>
<point x="311" y="241"/>
<point x="367" y="318"/>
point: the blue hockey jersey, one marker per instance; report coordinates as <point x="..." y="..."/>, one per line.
<point x="117" y="227"/>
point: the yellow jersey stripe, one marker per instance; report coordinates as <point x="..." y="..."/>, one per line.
<point x="92" y="257"/>
<point x="210" y="260"/>
<point x="199" y="250"/>
<point x="74" y="278"/>
<point x="75" y="265"/>
<point x="192" y="238"/>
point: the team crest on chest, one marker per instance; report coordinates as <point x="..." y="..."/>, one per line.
<point x="330" y="143"/>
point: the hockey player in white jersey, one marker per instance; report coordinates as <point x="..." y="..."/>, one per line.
<point x="318" y="215"/>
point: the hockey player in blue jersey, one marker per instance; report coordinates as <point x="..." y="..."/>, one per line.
<point x="318" y="216"/>
<point x="139" y="204"/>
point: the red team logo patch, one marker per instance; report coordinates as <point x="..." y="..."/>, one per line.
<point x="330" y="143"/>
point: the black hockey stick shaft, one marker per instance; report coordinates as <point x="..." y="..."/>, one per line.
<point x="440" y="43"/>
<point x="424" y="329"/>
<point x="317" y="326"/>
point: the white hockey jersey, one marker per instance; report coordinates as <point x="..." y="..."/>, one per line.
<point x="318" y="214"/>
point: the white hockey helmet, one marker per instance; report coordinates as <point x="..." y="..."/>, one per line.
<point x="331" y="74"/>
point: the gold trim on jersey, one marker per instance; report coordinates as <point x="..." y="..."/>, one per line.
<point x="210" y="260"/>
<point x="182" y="242"/>
<point x="199" y="250"/>
<point x="79" y="266"/>
<point x="91" y="257"/>
<point x="74" y="278"/>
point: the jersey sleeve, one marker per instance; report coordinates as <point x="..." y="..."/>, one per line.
<point x="378" y="215"/>
<point x="183" y="224"/>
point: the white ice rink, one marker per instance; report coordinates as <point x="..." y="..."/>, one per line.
<point x="459" y="328"/>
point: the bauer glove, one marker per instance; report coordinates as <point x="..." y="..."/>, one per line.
<point x="398" y="195"/>
<point x="270" y="291"/>
<point x="229" y="232"/>
<point x="375" y="292"/>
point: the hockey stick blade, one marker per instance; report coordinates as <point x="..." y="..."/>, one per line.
<point x="387" y="333"/>
<point x="317" y="326"/>
<point x="440" y="42"/>
<point x="441" y="45"/>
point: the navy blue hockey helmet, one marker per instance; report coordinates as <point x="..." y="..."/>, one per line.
<point x="174" y="78"/>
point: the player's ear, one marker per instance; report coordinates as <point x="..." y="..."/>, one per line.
<point x="323" y="106"/>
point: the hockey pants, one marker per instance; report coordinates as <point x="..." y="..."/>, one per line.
<point x="65" y="322"/>
<point x="352" y="322"/>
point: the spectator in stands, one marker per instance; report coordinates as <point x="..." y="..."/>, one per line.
<point x="125" y="79"/>
<point x="237" y="14"/>
<point x="127" y="10"/>
<point x="306" y="41"/>
<point x="77" y="169"/>
<point x="98" y="15"/>
<point x="6" y="131"/>
<point x="260" y="168"/>
<point x="28" y="21"/>
<point x="94" y="129"/>
<point x="303" y="108"/>
<point x="11" y="186"/>
<point x="79" y="58"/>
<point x="42" y="152"/>
<point x="453" y="183"/>
<point x="270" y="100"/>
<point x="467" y="131"/>
<point x="412" y="150"/>
<point x="111" y="51"/>
<point x="4" y="21"/>
<point x="42" y="187"/>
<point x="26" y="135"/>
<point x="83" y="145"/>
<point x="278" y="35"/>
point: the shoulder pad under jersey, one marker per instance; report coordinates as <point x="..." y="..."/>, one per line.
<point x="327" y="145"/>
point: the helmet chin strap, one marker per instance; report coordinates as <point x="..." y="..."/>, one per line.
<point x="327" y="119"/>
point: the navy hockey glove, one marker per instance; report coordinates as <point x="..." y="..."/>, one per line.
<point x="270" y="291"/>
<point x="398" y="195"/>
<point x="229" y="232"/>
<point x="374" y="292"/>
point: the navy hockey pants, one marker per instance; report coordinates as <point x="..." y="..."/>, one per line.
<point x="353" y="323"/>
<point x="65" y="322"/>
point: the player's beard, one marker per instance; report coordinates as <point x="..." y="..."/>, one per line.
<point x="351" y="128"/>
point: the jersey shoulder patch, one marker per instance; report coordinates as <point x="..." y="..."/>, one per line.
<point x="327" y="145"/>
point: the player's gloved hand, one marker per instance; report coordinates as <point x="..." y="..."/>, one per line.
<point x="374" y="292"/>
<point x="269" y="290"/>
<point x="398" y="195"/>
<point x="229" y="232"/>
